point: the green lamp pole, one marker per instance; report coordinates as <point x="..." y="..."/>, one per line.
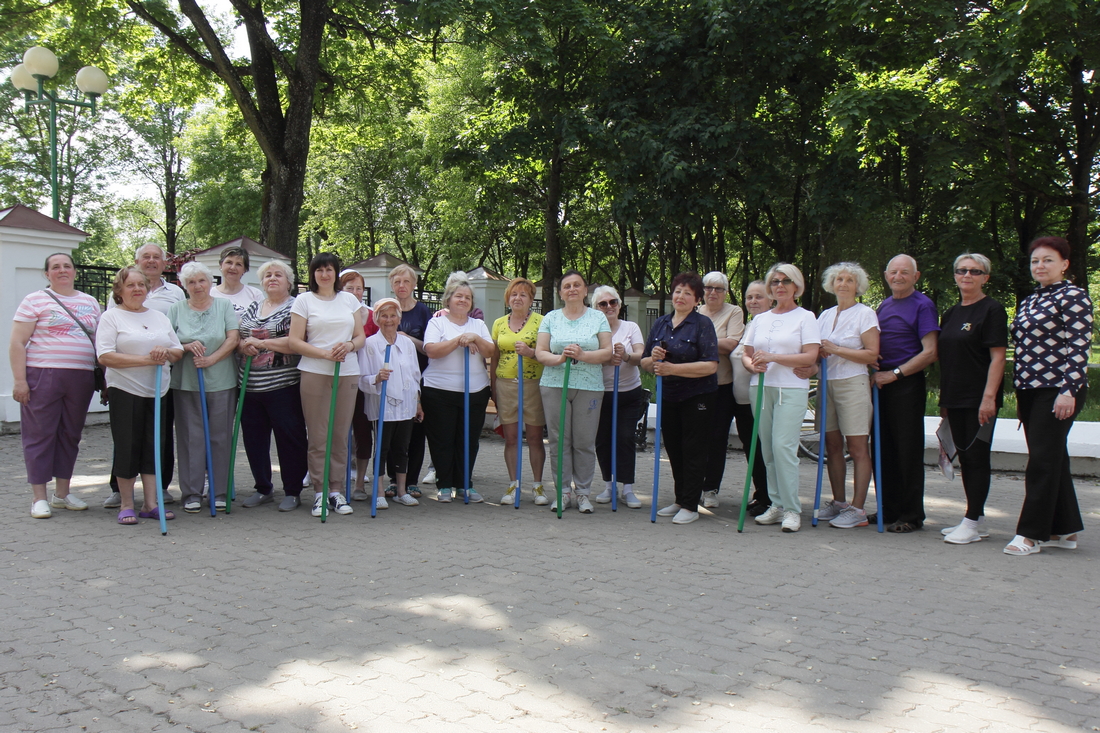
<point x="40" y="64"/>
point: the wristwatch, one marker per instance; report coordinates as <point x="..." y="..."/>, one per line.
<point x="898" y="373"/>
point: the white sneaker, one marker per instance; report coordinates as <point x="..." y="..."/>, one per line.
<point x="429" y="478"/>
<point x="382" y="503"/>
<point x="685" y="516"/>
<point x="339" y="504"/>
<point x="306" y="483"/>
<point x="604" y="497"/>
<point x="710" y="500"/>
<point x="963" y="535"/>
<point x="584" y="505"/>
<point x="668" y="511"/>
<point x="773" y="515"/>
<point x="566" y="500"/>
<point x="114" y="501"/>
<point x="41" y="509"/>
<point x="75" y="503"/>
<point x="509" y="499"/>
<point x="407" y="500"/>
<point x="983" y="530"/>
<point x="631" y="501"/>
<point x="792" y="521"/>
<point x="540" y="495"/>
<point x="316" y="505"/>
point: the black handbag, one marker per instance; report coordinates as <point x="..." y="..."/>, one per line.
<point x="100" y="374"/>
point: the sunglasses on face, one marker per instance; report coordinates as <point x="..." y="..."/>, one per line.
<point x="781" y="281"/>
<point x="969" y="271"/>
<point x="607" y="303"/>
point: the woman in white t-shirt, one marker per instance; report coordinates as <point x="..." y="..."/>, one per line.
<point x="233" y="264"/>
<point x="446" y="340"/>
<point x="776" y="343"/>
<point x="849" y="341"/>
<point x="627" y="344"/>
<point x="326" y="325"/>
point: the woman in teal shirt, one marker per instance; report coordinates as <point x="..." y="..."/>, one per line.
<point x="582" y="334"/>
<point x="208" y="329"/>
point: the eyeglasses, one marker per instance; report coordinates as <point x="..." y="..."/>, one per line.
<point x="969" y="271"/>
<point x="607" y="303"/>
<point x="781" y="281"/>
<point x="713" y="289"/>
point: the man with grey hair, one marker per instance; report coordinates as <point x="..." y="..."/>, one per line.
<point x="909" y="329"/>
<point x="151" y="260"/>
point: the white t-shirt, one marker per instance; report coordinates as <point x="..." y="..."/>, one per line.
<point x="449" y="372"/>
<point x="782" y="333"/>
<point x="328" y="323"/>
<point x="125" y="332"/>
<point x="241" y="299"/>
<point x="626" y="334"/>
<point x="848" y="333"/>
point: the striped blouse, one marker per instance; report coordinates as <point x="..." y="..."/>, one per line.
<point x="270" y="370"/>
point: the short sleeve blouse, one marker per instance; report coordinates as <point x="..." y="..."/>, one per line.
<point x="57" y="342"/>
<point x="584" y="332"/>
<point x="211" y="327"/>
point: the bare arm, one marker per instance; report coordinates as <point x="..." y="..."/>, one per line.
<point x="988" y="409"/>
<point x="21" y="332"/>
<point x="867" y="355"/>
<point x="543" y="353"/>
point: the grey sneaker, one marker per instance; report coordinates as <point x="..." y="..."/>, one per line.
<point x="407" y="500"/>
<point x="830" y="509"/>
<point x="604" y="497"/>
<point x="257" y="499"/>
<point x="631" y="500"/>
<point x="584" y="505"/>
<point x="289" y="503"/>
<point x="75" y="503"/>
<point x="475" y="498"/>
<point x="669" y="511"/>
<point x="849" y="518"/>
<point x="114" y="501"/>
<point x="710" y="500"/>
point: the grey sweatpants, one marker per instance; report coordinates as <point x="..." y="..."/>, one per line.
<point x="582" y="420"/>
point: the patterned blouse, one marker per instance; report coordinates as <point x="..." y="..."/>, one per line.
<point x="1052" y="332"/>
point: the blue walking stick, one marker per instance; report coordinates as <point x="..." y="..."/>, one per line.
<point x="156" y="452"/>
<point x="656" y="451"/>
<point x="615" y="441"/>
<point x="519" y="437"/>
<point x="206" y="437"/>
<point x="878" y="458"/>
<point x="466" y="428"/>
<point x="347" y="465"/>
<point x="378" y="437"/>
<point x="821" y="409"/>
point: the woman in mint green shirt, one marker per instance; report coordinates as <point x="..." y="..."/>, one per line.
<point x="582" y="334"/>
<point x="208" y="329"/>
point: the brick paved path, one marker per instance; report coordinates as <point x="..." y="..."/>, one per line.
<point x="483" y="618"/>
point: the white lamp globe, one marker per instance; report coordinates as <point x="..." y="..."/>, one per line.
<point x="21" y="79"/>
<point x="91" y="80"/>
<point x="40" y="61"/>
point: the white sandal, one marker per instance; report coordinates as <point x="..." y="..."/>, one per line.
<point x="1062" y="543"/>
<point x="1018" y="546"/>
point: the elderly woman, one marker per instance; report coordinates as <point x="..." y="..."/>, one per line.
<point x="233" y="264"/>
<point x="582" y="334"/>
<point x="352" y="282"/>
<point x="626" y="353"/>
<point x="445" y="341"/>
<point x="516" y="334"/>
<point x="401" y="372"/>
<point x="756" y="302"/>
<point x="849" y="341"/>
<point x="1052" y="331"/>
<point x="414" y="322"/>
<point x="52" y="353"/>
<point x="973" y="341"/>
<point x="272" y="399"/>
<point x="776" y="343"/>
<point x="729" y="325"/>
<point x="209" y="331"/>
<point x="326" y="325"/>
<point x="682" y="348"/>
<point x="132" y="341"/>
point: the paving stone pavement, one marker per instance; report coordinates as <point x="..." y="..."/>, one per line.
<point x="483" y="618"/>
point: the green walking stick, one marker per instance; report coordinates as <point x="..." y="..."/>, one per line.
<point x="752" y="452"/>
<point x="328" y="442"/>
<point x="229" y="488"/>
<point x="561" y="427"/>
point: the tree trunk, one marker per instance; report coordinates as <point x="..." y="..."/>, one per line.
<point x="551" y="270"/>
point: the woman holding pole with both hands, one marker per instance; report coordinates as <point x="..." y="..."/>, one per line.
<point x="682" y="349"/>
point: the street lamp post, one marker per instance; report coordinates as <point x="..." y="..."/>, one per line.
<point x="40" y="64"/>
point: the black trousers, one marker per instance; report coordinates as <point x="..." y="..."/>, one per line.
<point x="631" y="404"/>
<point x="685" y="431"/>
<point x="973" y="458"/>
<point x="363" y="428"/>
<point x="1050" y="502"/>
<point x="743" y="419"/>
<point x="280" y="412"/>
<point x="167" y="437"/>
<point x="444" y="429"/>
<point x="901" y="425"/>
<point x="719" y="438"/>
<point x="416" y="456"/>
<point x="395" y="444"/>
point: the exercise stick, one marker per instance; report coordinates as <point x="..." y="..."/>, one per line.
<point x="822" y="412"/>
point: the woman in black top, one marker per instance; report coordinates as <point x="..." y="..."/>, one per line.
<point x="1051" y="331"/>
<point x="683" y="349"/>
<point x="973" y="341"/>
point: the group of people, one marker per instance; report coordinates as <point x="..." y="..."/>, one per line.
<point x="320" y="369"/>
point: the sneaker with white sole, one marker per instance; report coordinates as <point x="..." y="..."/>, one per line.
<point x="584" y="505"/>
<point x="669" y="511"/>
<point x="685" y="516"/>
<point x="41" y="509"/>
<point x="509" y="499"/>
<point x="73" y="503"/>
<point x="566" y="501"/>
<point x="540" y="495"/>
<point x="475" y="498"/>
<point x="831" y="509"/>
<point x="382" y="503"/>
<point x="604" y="497"/>
<point x="774" y="515"/>
<point x="710" y="501"/>
<point x="429" y="478"/>
<point x="194" y="506"/>
<point x="407" y="500"/>
<point x="792" y="521"/>
<point x="963" y="535"/>
<point x="849" y="518"/>
<point x="631" y="500"/>
<point x="337" y="503"/>
<point x="219" y="505"/>
<point x="317" y="499"/>
<point x="446" y="496"/>
<point x="983" y="530"/>
<point x="114" y="501"/>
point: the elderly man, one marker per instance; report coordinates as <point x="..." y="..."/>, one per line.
<point x="909" y="330"/>
<point x="162" y="294"/>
